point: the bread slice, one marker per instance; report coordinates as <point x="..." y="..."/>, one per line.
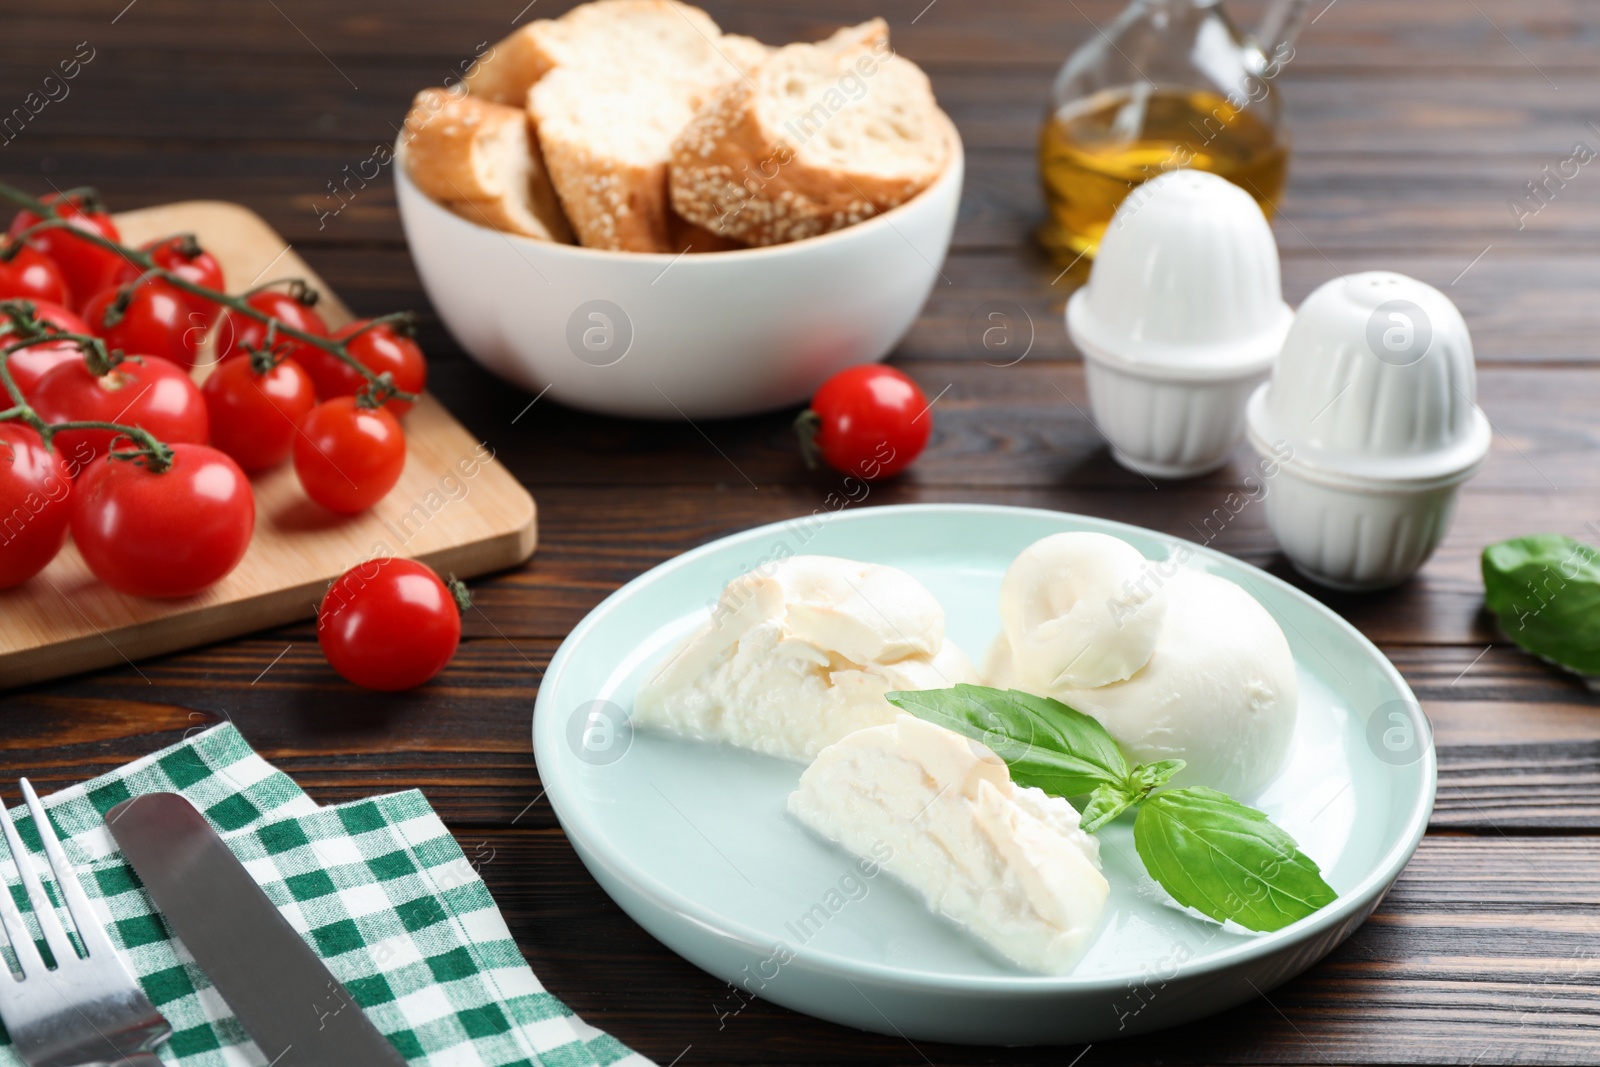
<point x="819" y="137"/>
<point x="616" y="82"/>
<point x="479" y="160"/>
<point x="614" y="35"/>
<point x="606" y="142"/>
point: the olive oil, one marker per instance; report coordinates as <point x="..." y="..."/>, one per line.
<point x="1094" y="151"/>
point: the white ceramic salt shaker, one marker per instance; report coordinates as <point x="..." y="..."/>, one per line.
<point x="1181" y="319"/>
<point x="1372" y="415"/>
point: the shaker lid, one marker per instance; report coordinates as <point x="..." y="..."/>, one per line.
<point x="1185" y="283"/>
<point x="1376" y="381"/>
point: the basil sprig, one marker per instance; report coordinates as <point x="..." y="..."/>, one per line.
<point x="1210" y="852"/>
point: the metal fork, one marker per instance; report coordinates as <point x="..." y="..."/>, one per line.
<point x="88" y="1011"/>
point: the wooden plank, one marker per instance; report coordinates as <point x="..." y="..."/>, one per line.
<point x="453" y="507"/>
<point x="1492" y="37"/>
<point x="1485" y="951"/>
<point x="1023" y="425"/>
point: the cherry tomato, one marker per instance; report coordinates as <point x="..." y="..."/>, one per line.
<point x="868" y="421"/>
<point x="29" y="365"/>
<point x="32" y="275"/>
<point x="184" y="257"/>
<point x="379" y="349"/>
<point x="254" y="416"/>
<point x="236" y="332"/>
<point x="388" y="624"/>
<point x="35" y="504"/>
<point x="348" y="457"/>
<point x="166" y="534"/>
<point x="153" y="395"/>
<point x="87" y="267"/>
<point x="155" y="322"/>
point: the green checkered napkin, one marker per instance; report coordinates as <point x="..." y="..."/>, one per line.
<point x="378" y="887"/>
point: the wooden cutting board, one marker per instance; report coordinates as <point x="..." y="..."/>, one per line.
<point x="455" y="508"/>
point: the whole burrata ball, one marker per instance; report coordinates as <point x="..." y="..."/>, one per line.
<point x="1218" y="692"/>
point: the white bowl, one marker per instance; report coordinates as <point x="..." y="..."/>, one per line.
<point x="1181" y="319"/>
<point x="697" y="336"/>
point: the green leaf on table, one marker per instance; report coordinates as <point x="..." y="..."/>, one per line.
<point x="1043" y="742"/>
<point x="1226" y="860"/>
<point x="1545" y="590"/>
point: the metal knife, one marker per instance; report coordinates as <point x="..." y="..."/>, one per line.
<point x="297" y="1012"/>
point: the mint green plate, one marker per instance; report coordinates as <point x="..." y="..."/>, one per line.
<point x="693" y="841"/>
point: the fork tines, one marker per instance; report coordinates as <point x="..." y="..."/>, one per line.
<point x="86" y="1009"/>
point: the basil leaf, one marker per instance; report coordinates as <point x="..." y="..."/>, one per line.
<point x="1105" y="804"/>
<point x="1226" y="860"/>
<point x="1545" y="590"/>
<point x="1149" y="776"/>
<point x="1044" y="742"/>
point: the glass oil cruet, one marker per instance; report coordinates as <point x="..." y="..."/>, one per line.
<point x="1172" y="83"/>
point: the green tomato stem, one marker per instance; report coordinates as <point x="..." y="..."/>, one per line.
<point x="141" y="259"/>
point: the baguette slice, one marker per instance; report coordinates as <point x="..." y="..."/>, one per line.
<point x="606" y="142"/>
<point x="478" y="159"/>
<point x="619" y="80"/>
<point x="821" y="137"/>
<point x="610" y="35"/>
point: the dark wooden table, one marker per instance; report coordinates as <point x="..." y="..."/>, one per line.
<point x="1416" y="123"/>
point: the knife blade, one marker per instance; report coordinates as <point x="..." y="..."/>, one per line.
<point x="283" y="995"/>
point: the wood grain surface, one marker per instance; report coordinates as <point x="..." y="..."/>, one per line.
<point x="1414" y="123"/>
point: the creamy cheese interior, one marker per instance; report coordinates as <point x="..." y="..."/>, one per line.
<point x="1008" y="864"/>
<point x="796" y="657"/>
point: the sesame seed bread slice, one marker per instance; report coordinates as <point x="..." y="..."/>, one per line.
<point x="606" y="142"/>
<point x="479" y="160"/>
<point x="818" y="138"/>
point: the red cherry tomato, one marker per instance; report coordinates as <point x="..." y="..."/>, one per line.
<point x="167" y="534"/>
<point x="868" y="421"/>
<point x="379" y="349"/>
<point x="35" y="504"/>
<point x="29" y="365"/>
<point x="254" y="416"/>
<point x="237" y="332"/>
<point x="153" y="395"/>
<point x="87" y="267"/>
<point x="185" y="258"/>
<point x="348" y="457"/>
<point x="155" y="322"/>
<point x="31" y="275"/>
<point x="388" y="624"/>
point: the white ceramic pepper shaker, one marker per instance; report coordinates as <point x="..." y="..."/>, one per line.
<point x="1374" y="401"/>
<point x="1181" y="319"/>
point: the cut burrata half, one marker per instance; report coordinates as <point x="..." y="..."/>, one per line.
<point x="1080" y="609"/>
<point x="1010" y="865"/>
<point x="1219" y="691"/>
<point x="799" y="654"/>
